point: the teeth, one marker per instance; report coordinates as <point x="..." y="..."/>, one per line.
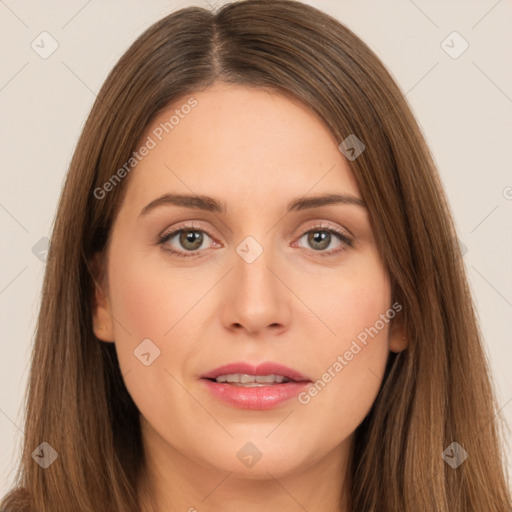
<point x="242" y="379"/>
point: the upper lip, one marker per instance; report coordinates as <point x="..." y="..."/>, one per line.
<point x="266" y="368"/>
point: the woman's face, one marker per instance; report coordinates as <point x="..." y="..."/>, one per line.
<point x="262" y="280"/>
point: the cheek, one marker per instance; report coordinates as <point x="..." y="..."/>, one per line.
<point x="149" y="299"/>
<point x="150" y="302"/>
<point x="153" y="311"/>
<point x="347" y="386"/>
<point x="354" y="355"/>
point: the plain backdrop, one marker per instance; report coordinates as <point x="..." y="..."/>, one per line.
<point x="462" y="100"/>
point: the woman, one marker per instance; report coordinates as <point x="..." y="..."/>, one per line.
<point x="310" y="349"/>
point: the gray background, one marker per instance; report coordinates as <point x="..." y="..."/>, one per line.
<point x="463" y="105"/>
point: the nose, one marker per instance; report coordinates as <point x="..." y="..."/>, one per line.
<point x="256" y="297"/>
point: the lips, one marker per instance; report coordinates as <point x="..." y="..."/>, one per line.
<point x="260" y="387"/>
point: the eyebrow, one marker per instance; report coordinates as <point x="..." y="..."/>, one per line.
<point x="210" y="204"/>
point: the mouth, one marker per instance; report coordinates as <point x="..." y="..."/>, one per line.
<point x="254" y="387"/>
<point x="249" y="381"/>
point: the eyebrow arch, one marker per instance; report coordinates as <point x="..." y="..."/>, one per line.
<point x="304" y="203"/>
<point x="210" y="204"/>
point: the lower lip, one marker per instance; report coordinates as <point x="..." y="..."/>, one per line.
<point x="258" y="397"/>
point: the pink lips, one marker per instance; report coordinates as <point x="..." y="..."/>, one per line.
<point x="260" y="397"/>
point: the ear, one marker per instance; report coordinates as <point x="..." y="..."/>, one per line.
<point x="398" y="337"/>
<point x="102" y="322"/>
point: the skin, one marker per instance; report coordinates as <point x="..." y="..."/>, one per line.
<point x="254" y="150"/>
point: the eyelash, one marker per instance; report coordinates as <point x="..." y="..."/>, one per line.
<point x="321" y="228"/>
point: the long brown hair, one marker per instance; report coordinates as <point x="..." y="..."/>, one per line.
<point x="436" y="392"/>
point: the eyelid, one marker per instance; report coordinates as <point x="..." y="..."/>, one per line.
<point x="183" y="226"/>
<point x="323" y="224"/>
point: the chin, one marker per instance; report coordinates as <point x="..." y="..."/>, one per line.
<point x="260" y="461"/>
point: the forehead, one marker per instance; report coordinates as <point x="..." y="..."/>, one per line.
<point x="240" y="144"/>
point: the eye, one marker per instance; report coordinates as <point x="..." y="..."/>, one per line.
<point x="321" y="237"/>
<point x="188" y="238"/>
